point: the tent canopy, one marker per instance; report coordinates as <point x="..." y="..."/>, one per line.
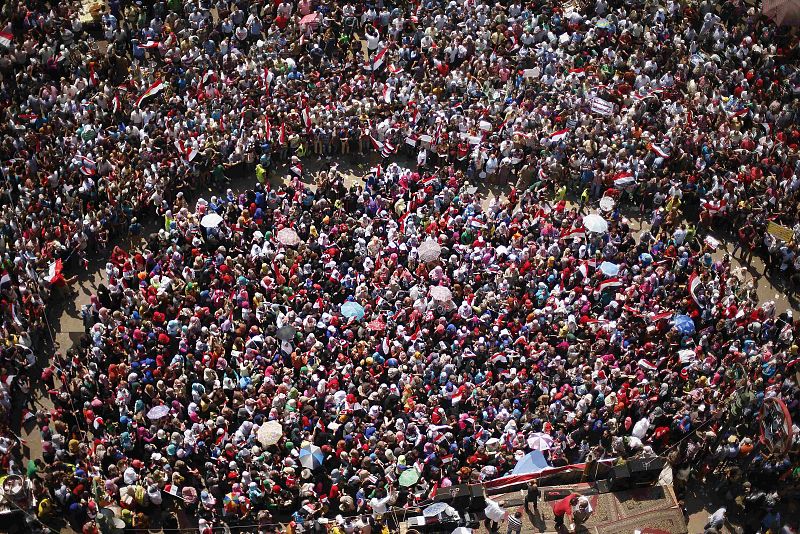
<point x="533" y="462"/>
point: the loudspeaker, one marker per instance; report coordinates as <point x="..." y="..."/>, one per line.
<point x="463" y="497"/>
<point x="478" y="501"/>
<point x="645" y="472"/>
<point x="619" y="478"/>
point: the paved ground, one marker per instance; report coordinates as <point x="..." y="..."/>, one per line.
<point x="68" y="328"/>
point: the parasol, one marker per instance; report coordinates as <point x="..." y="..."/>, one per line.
<point x="409" y="477"/>
<point x="311" y="19"/>
<point x="212" y="220"/>
<point x="158" y="412"/>
<point x="540" y="441"/>
<point x="288" y="237"/>
<point x="429" y="251"/>
<point x="783" y="12"/>
<point x="377" y="325"/>
<point x="434" y="509"/>
<point x="270" y="433"/>
<point x="595" y="223"/>
<point x="286" y="333"/>
<point x="606" y="204"/>
<point x="609" y="269"/>
<point x="441" y="294"/>
<point x="311" y="457"/>
<point x="684" y="325"/>
<point x="352" y="309"/>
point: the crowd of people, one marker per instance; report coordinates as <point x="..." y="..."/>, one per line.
<point x="406" y="322"/>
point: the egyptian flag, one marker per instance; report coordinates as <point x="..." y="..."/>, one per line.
<point x="387" y="94"/>
<point x="574" y="232"/>
<point x="171" y="40"/>
<point x="116" y="104"/>
<point x="6" y="38"/>
<point x="655" y="317"/>
<point x="694" y="285"/>
<point x="149" y="44"/>
<point x="282" y="136"/>
<point x="377" y="61"/>
<point x="376" y="171"/>
<point x="402" y="222"/>
<point x="279" y="278"/>
<point x="714" y="207"/>
<point x="187" y="153"/>
<point x="611" y="282"/>
<point x="92" y="75"/>
<point x="388" y="149"/>
<point x="268" y="77"/>
<point x="659" y="151"/>
<point x="647" y="365"/>
<point x="297" y="169"/>
<point x="54" y="275"/>
<point x="306" y="115"/>
<point x="623" y="179"/>
<point x="267" y="128"/>
<point x="559" y="135"/>
<point x="151" y="91"/>
<point x="376" y="145"/>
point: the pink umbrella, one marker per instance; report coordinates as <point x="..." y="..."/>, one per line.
<point x="312" y="19"/>
<point x="783" y="12"/>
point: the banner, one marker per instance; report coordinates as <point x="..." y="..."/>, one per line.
<point x="601" y="106"/>
<point x="781" y="232"/>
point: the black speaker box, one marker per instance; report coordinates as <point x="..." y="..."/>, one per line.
<point x="463" y="497"/>
<point x="645" y="472"/>
<point x="619" y="478"/>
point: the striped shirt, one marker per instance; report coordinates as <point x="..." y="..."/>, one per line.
<point x="514" y="524"/>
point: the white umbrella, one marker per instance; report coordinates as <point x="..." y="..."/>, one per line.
<point x="441" y="294"/>
<point x="158" y="412"/>
<point x="595" y="223"/>
<point x="434" y="509"/>
<point x="540" y="441"/>
<point x="270" y="433"/>
<point x="429" y="251"/>
<point x="211" y="220"/>
<point x="288" y="237"/>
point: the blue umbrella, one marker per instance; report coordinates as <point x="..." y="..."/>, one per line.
<point x="684" y="325"/>
<point x="609" y="269"/>
<point x="311" y="457"/>
<point x="352" y="309"/>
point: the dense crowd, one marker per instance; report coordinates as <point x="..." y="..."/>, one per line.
<point x="314" y="305"/>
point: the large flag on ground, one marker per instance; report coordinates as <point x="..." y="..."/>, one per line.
<point x="151" y="91"/>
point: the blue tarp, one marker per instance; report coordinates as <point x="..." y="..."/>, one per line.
<point x="533" y="462"/>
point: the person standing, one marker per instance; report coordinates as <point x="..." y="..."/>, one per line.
<point x="532" y="496"/>
<point x="515" y="523"/>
